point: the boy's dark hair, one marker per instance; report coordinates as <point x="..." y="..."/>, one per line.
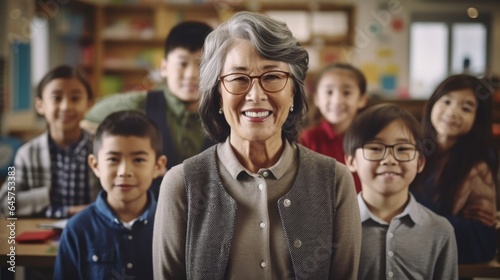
<point x="345" y="66"/>
<point x="128" y="123"/>
<point x="64" y="72"/>
<point x="370" y="122"/>
<point x="189" y="35"/>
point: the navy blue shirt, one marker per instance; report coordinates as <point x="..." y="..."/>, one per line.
<point x="476" y="242"/>
<point x="96" y="245"/>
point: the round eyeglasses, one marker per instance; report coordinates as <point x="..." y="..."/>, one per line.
<point x="239" y="83"/>
<point x="401" y="152"/>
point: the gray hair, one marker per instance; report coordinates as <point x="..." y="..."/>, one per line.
<point x="273" y="40"/>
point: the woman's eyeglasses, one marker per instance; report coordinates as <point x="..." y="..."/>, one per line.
<point x="239" y="83"/>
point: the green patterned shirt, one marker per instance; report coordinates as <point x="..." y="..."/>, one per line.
<point x="184" y="125"/>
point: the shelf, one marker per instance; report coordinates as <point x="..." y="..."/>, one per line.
<point x="123" y="6"/>
<point x="136" y="40"/>
<point x="126" y="70"/>
<point x="126" y="35"/>
<point x="87" y="67"/>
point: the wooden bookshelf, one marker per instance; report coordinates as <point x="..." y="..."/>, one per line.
<point x="127" y="39"/>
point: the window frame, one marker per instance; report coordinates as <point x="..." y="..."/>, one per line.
<point x="449" y="19"/>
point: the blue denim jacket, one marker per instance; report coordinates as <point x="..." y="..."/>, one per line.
<point x="95" y="245"/>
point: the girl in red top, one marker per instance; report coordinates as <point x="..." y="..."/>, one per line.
<point x="340" y="94"/>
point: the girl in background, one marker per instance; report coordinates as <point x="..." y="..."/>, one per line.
<point x="340" y="94"/>
<point x="458" y="179"/>
<point x="52" y="175"/>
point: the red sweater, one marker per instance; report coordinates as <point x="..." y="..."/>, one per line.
<point x="324" y="140"/>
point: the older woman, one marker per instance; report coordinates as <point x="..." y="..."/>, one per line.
<point x="256" y="205"/>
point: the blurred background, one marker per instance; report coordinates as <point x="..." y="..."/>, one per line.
<point x="404" y="47"/>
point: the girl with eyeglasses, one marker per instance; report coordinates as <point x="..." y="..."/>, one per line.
<point x="458" y="180"/>
<point x="383" y="145"/>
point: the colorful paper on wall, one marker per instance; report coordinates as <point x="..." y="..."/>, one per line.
<point x="371" y="72"/>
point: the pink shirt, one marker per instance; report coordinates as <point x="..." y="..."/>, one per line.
<point x="324" y="140"/>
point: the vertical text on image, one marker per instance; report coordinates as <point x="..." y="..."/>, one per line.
<point x="11" y="217"/>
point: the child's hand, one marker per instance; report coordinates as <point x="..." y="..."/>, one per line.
<point x="479" y="213"/>
<point x="72" y="210"/>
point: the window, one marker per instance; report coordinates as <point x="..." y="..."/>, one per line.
<point x="469" y="47"/>
<point x="428" y="61"/>
<point x="443" y="45"/>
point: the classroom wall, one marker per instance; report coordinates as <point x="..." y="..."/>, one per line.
<point x="491" y="7"/>
<point x="17" y="29"/>
<point x="381" y="45"/>
<point x="382" y="49"/>
<point x="3" y="14"/>
<point x="495" y="44"/>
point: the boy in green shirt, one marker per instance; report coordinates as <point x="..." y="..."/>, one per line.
<point x="174" y="108"/>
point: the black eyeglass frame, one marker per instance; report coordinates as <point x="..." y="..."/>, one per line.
<point x="259" y="79"/>
<point x="392" y="148"/>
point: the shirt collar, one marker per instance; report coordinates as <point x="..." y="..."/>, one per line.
<point x="414" y="210"/>
<point x="234" y="167"/>
<point x="176" y="106"/>
<point x="73" y="148"/>
<point x="330" y="132"/>
<point x="411" y="210"/>
<point x="105" y="210"/>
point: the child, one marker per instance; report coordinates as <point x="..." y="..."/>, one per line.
<point x="340" y="93"/>
<point x="112" y="237"/>
<point x="174" y="108"/>
<point x="383" y="146"/>
<point x="52" y="175"/>
<point x="458" y="180"/>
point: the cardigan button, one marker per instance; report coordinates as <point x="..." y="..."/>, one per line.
<point x="95" y="258"/>
<point x="297" y="243"/>
<point x="287" y="202"/>
<point x="263" y="264"/>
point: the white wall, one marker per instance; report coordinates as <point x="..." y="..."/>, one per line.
<point x="379" y="48"/>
